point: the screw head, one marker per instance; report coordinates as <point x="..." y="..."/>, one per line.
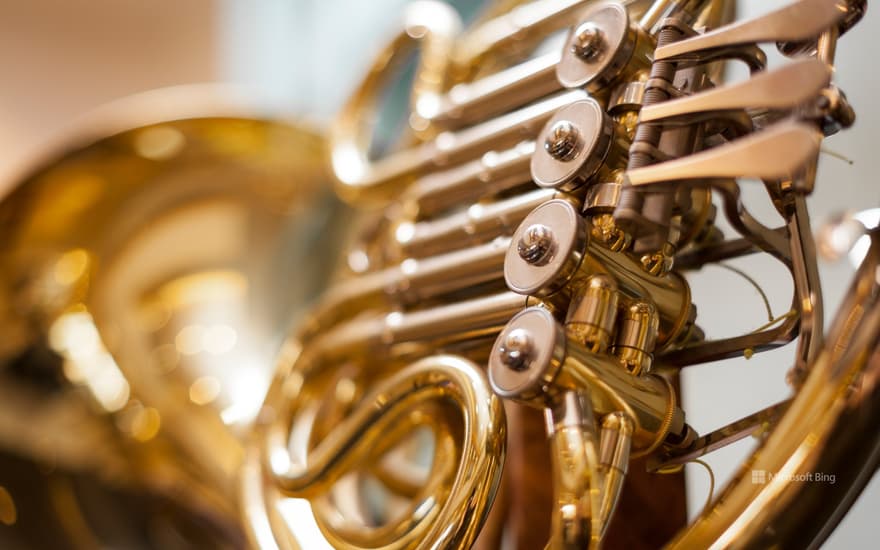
<point x="563" y="141"/>
<point x="516" y="350"/>
<point x="587" y="41"/>
<point x="536" y="244"/>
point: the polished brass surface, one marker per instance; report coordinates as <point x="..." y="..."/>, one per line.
<point x="150" y="263"/>
<point x="631" y="132"/>
<point x="593" y="313"/>
<point x="552" y="203"/>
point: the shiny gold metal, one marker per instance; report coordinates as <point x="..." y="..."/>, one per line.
<point x="637" y="336"/>
<point x="552" y="364"/>
<point x="592" y="316"/>
<point x="828" y="414"/>
<point x="450" y="381"/>
<point x="578" y="259"/>
<point x="502" y="222"/>
<point x="148" y="273"/>
<point x="150" y="261"/>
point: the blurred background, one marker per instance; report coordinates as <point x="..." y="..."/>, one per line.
<point x="300" y="58"/>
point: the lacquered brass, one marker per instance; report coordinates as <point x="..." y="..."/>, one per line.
<point x="630" y="116"/>
<point x="607" y="318"/>
<point x="518" y="291"/>
<point x="151" y="262"/>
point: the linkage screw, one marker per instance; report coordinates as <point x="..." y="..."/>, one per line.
<point x="563" y="141"/>
<point x="516" y="350"/>
<point x="536" y="244"/>
<point x="587" y="41"/>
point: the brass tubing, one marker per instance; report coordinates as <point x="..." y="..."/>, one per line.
<point x="417" y="519"/>
<point x="492" y="173"/>
<point x="431" y="26"/>
<point x="360" y="177"/>
<point x="829" y="428"/>
<point x="411" y="281"/>
<point x="515" y="34"/>
<point x="477" y="224"/>
<point x="503" y="131"/>
<point x="491" y="95"/>
<point x="444" y="379"/>
<point x="519" y="30"/>
<point x="533" y="361"/>
<point x="458" y="320"/>
<point x="577" y="258"/>
<point x="576" y="477"/>
<point x="377" y="334"/>
<point x="648" y="399"/>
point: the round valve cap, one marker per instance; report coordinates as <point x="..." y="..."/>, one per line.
<point x="572" y="145"/>
<point x="563" y="235"/>
<point x="526" y="376"/>
<point x="596" y="49"/>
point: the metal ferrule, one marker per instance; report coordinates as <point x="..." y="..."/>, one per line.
<point x="636" y="337"/>
<point x="494" y="172"/>
<point x="556" y="364"/>
<point x="576" y="259"/>
<point x="477" y="224"/>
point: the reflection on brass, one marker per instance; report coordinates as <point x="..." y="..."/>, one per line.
<point x="543" y="205"/>
<point x="531" y="251"/>
<point x="150" y="266"/>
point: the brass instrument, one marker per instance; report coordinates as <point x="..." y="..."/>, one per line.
<point x="497" y="362"/>
<point x="152" y="264"/>
<point x="552" y="203"/>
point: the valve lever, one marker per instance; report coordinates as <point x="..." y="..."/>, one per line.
<point x="785" y="88"/>
<point x="799" y="21"/>
<point x="778" y="153"/>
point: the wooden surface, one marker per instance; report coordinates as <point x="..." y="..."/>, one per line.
<point x="651" y="510"/>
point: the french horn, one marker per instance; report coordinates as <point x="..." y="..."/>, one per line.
<point x="497" y="361"/>
<point x="528" y="259"/>
<point x="153" y="258"/>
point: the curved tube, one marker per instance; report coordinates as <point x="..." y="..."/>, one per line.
<point x="431" y="25"/>
<point x="452" y="521"/>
